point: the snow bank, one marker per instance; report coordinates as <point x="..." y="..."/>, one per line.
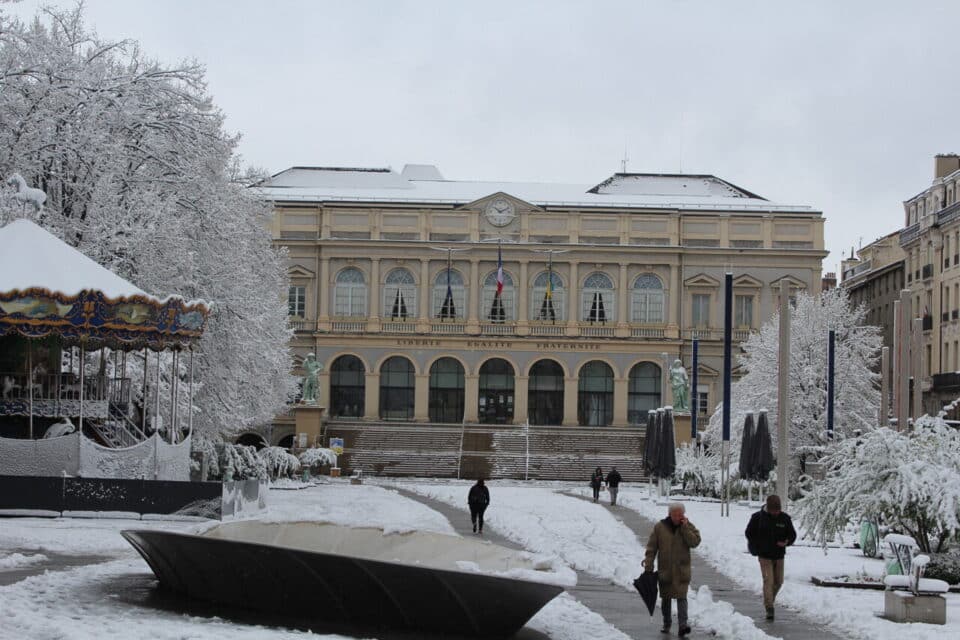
<point x="17" y="560"/>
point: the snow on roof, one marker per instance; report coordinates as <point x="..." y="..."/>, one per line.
<point x="421" y="185"/>
<point x="31" y="256"/>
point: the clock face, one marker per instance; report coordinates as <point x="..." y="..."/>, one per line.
<point x="500" y="212"/>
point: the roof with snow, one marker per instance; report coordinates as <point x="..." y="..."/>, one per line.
<point x="425" y="184"/>
<point x="31" y="256"/>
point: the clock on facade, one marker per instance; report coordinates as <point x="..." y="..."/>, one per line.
<point x="500" y="212"/>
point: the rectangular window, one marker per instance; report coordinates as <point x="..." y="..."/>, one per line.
<point x="297" y="301"/>
<point x="700" y="311"/>
<point x="703" y="399"/>
<point x="743" y="311"/>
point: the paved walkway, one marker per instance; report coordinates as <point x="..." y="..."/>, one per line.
<point x="624" y="609"/>
<point x="54" y="562"/>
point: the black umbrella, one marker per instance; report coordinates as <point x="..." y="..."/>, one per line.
<point x="746" y="448"/>
<point x="648" y="439"/>
<point x="761" y="462"/>
<point x="667" y="458"/>
<point x="646" y="586"/>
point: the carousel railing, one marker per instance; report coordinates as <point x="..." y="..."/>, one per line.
<point x="63" y="386"/>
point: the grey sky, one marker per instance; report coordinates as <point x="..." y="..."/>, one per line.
<point x="839" y="105"/>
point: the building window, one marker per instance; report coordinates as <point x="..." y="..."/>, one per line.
<point x="397" y="389"/>
<point x="297" y="301"/>
<point x="700" y="310"/>
<point x="643" y="392"/>
<point x="446" y="391"/>
<point x="400" y="295"/>
<point x="350" y="294"/>
<point x="597" y="299"/>
<point x="347" y="384"/>
<point x="449" y="296"/>
<point x="548" y="302"/>
<point x="502" y="309"/>
<point x="703" y="399"/>
<point x="595" y="398"/>
<point x="496" y="392"/>
<point x="647" y="300"/>
<point x="743" y="311"/>
<point x="545" y="393"/>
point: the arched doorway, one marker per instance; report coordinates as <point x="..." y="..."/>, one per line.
<point x="643" y="392"/>
<point x="347" y="383"/>
<point x="496" y="392"/>
<point x="252" y="440"/>
<point x="446" y="391"/>
<point x="286" y="441"/>
<point x="397" y="382"/>
<point x="595" y="399"/>
<point x="545" y="395"/>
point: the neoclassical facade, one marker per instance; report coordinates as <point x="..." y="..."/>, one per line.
<point x="445" y="301"/>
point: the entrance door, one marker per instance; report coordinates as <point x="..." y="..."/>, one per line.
<point x="496" y="392"/>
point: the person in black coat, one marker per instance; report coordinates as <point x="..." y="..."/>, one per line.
<point x="769" y="533"/>
<point x="613" y="485"/>
<point x="596" y="481"/>
<point x="477" y="500"/>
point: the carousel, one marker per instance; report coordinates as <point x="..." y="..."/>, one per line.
<point x="96" y="376"/>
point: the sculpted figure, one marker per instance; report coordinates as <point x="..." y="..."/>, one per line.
<point x="312" y="369"/>
<point x="681" y="387"/>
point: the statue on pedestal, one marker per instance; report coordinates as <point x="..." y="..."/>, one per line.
<point x="681" y="387"/>
<point x="311" y="368"/>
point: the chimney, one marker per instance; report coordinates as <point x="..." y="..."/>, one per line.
<point x="944" y="164"/>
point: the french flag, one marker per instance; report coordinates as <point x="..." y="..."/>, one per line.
<point x="499" y="270"/>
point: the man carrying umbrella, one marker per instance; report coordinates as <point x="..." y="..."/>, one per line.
<point x="769" y="533"/>
<point x="670" y="543"/>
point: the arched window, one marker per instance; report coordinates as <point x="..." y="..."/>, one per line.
<point x="350" y="293"/>
<point x="545" y="393"/>
<point x="646" y="303"/>
<point x="597" y="299"/>
<point x="501" y="310"/>
<point x="446" y="391"/>
<point x="548" y="303"/>
<point x="347" y="383"/>
<point x="449" y="296"/>
<point x="397" y="384"/>
<point x="399" y="295"/>
<point x="496" y="391"/>
<point x="643" y="392"/>
<point x="595" y="397"/>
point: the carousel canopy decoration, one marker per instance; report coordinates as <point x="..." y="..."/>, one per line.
<point x="49" y="288"/>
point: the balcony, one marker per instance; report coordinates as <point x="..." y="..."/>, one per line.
<point x="927" y="322"/>
<point x="909" y="234"/>
<point x="703" y="333"/>
<point x="399" y="327"/>
<point x="594" y="331"/>
<point x="302" y="326"/>
<point x="927" y="271"/>
<point x="647" y="332"/>
<point x="498" y="329"/>
<point x="348" y="326"/>
<point x="449" y="328"/>
<point x="946" y="381"/>
<point x="547" y="329"/>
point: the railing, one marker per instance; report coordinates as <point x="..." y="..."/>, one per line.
<point x="448" y="328"/>
<point x="592" y="331"/>
<point x="739" y="335"/>
<point x="547" y="329"/>
<point x="909" y="234"/>
<point x="348" y="326"/>
<point x="703" y="333"/>
<point x="63" y="386"/>
<point x="302" y="325"/>
<point x="646" y="332"/>
<point x="496" y="329"/>
<point x="944" y="381"/>
<point x="399" y="327"/>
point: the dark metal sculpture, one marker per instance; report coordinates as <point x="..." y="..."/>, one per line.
<point x="340" y="590"/>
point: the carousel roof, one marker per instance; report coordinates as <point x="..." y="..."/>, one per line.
<point x="32" y="257"/>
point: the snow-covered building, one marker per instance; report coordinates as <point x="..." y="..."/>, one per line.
<point x="395" y="279"/>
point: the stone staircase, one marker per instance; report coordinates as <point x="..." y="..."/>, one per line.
<point x="490" y="451"/>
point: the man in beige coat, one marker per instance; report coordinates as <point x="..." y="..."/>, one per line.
<point x="670" y="543"/>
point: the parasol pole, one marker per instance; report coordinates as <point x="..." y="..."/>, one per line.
<point x="30" y="381"/>
<point x="727" y="367"/>
<point x="783" y="399"/>
<point x="190" y="416"/>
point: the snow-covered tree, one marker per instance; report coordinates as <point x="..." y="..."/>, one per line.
<point x="908" y="480"/>
<point x="856" y="385"/>
<point x="698" y="472"/>
<point x="318" y="456"/>
<point x="279" y="462"/>
<point x="141" y="176"/>
<point x="239" y="462"/>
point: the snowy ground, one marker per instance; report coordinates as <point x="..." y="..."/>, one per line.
<point x="113" y="599"/>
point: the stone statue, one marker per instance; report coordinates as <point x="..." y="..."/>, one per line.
<point x="681" y="387"/>
<point x="312" y="369"/>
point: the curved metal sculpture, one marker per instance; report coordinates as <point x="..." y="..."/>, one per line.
<point x="276" y="574"/>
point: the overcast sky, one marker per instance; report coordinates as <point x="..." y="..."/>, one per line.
<point x="837" y="105"/>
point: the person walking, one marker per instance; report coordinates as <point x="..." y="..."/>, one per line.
<point x="596" y="481"/>
<point x="769" y="533"/>
<point x="477" y="500"/>
<point x="670" y="543"/>
<point x="613" y="485"/>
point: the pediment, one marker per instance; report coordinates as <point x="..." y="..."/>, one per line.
<point x="481" y="204"/>
<point x="701" y="280"/>
<point x="747" y="281"/>
<point x="705" y="370"/>
<point x="298" y="271"/>
<point x="790" y="282"/>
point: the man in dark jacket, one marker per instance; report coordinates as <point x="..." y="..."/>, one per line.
<point x="769" y="533"/>
<point x="478" y="499"/>
<point x="613" y="485"/>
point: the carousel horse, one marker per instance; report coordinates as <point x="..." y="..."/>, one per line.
<point x="26" y="195"/>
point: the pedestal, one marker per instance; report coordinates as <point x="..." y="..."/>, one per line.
<point x="903" y="606"/>
<point x="681" y="428"/>
<point x="309" y="421"/>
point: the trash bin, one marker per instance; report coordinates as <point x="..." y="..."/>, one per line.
<point x="306" y="475"/>
<point x="334" y="472"/>
<point x="869" y="539"/>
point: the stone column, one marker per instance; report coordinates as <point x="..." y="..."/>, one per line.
<point x="375" y="291"/>
<point x="471" y="395"/>
<point x="522" y="290"/>
<point x="371" y="396"/>
<point x="473" y="310"/>
<point x="573" y="303"/>
<point x="423" y="317"/>
<point x="620" y="388"/>
<point x="324" y="293"/>
<point x="520" y="396"/>
<point x="917" y="368"/>
<point x="421" y="398"/>
<point x="323" y="389"/>
<point x="623" y="298"/>
<point x="571" y="388"/>
<point x="674" y="298"/>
